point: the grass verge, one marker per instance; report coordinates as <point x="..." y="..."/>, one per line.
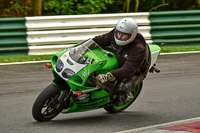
<point x="167" y="49"/>
<point x="23" y="58"/>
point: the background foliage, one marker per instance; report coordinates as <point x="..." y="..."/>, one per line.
<point x="75" y="6"/>
<point x="20" y="8"/>
<point x="15" y="8"/>
<point x="152" y="5"/>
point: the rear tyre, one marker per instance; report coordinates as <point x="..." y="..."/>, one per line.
<point x="47" y="106"/>
<point x="116" y="109"/>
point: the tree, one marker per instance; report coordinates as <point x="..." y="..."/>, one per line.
<point x="15" y="8"/>
<point x="37" y="7"/>
<point x="152" y="5"/>
<point x="68" y="7"/>
<point x="21" y="8"/>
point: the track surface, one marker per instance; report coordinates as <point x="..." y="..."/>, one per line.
<point x="171" y="95"/>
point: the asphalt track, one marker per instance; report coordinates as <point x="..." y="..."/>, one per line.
<point x="172" y="95"/>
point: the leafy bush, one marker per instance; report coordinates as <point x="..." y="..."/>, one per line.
<point x="152" y="5"/>
<point x="18" y="8"/>
<point x="61" y="7"/>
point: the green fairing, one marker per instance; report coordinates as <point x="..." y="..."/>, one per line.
<point x="74" y="81"/>
<point x="75" y="87"/>
<point x="57" y="56"/>
<point x="106" y="64"/>
<point x="97" y="98"/>
<point x="86" y="104"/>
<point x="154" y="48"/>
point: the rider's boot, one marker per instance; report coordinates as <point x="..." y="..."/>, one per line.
<point x="124" y="90"/>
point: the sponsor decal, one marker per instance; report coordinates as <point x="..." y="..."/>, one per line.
<point x="64" y="55"/>
<point x="60" y="52"/>
<point x="82" y="97"/>
<point x="84" y="73"/>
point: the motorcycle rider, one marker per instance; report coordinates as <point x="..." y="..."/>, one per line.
<point x="133" y="55"/>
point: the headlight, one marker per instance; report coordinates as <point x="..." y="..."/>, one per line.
<point x="68" y="73"/>
<point x="59" y="65"/>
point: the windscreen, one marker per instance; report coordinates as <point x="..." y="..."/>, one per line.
<point x="80" y="53"/>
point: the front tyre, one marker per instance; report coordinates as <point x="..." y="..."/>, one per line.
<point x="116" y="109"/>
<point x="47" y="106"/>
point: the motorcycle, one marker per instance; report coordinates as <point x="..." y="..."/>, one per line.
<point x="75" y="88"/>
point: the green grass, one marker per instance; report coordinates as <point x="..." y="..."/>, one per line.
<point x="22" y="58"/>
<point x="167" y="49"/>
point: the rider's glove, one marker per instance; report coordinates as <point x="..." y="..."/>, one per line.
<point x="103" y="78"/>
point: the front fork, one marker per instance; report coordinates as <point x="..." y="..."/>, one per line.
<point x="64" y="95"/>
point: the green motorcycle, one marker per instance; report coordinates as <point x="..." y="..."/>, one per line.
<point x="74" y="86"/>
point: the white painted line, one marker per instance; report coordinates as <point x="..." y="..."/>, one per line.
<point x="18" y="63"/>
<point x="189" y="52"/>
<point x="154" y="128"/>
<point x="15" y="63"/>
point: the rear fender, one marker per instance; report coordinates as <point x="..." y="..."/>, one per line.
<point x="155" y="51"/>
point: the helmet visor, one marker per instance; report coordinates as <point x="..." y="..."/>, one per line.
<point x="122" y="36"/>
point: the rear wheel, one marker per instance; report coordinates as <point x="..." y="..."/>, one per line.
<point x="116" y="109"/>
<point x="47" y="105"/>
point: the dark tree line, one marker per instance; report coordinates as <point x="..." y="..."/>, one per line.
<point x="20" y="8"/>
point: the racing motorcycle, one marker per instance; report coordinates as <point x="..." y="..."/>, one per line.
<point x="75" y="88"/>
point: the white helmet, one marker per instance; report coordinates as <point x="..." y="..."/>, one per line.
<point x="125" y="31"/>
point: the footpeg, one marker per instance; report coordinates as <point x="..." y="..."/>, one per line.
<point x="153" y="68"/>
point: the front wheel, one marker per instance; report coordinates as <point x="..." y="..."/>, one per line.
<point x="47" y="105"/>
<point x="116" y="109"/>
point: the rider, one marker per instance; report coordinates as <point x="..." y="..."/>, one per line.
<point x="133" y="55"/>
